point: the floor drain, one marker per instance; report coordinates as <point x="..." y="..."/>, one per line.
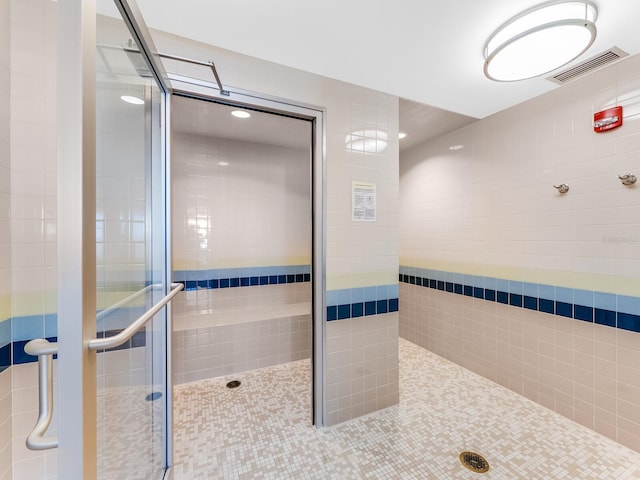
<point x="233" y="384"/>
<point x="474" y="462"/>
<point x="153" y="396"/>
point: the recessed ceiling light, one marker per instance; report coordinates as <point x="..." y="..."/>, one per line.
<point x="540" y="39"/>
<point x="453" y="148"/>
<point x="240" y="114"/>
<point x="402" y="135"/>
<point x="132" y="100"/>
<point x="223" y="164"/>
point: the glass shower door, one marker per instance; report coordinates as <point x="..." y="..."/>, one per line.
<point x="130" y="258"/>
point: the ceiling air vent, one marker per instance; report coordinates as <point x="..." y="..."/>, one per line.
<point x="587" y="66"/>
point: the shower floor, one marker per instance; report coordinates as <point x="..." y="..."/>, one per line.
<point x="261" y="430"/>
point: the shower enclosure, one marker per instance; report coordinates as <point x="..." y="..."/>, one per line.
<point x="241" y="238"/>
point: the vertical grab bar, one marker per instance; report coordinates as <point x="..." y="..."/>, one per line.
<point x="44" y="350"/>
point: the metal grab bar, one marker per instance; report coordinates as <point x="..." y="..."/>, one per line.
<point x="127" y="333"/>
<point x="44" y="350"/>
<point x="127" y="300"/>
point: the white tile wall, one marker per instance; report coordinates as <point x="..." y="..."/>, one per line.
<point x="256" y="211"/>
<point x="491" y="209"/>
<point x="6" y="409"/>
<point x="584" y="371"/>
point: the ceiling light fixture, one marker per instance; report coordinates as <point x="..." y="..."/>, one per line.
<point x="223" y="164"/>
<point x="132" y="100"/>
<point x="240" y="114"/>
<point x="454" y="148"/>
<point x="402" y="135"/>
<point x="540" y="40"/>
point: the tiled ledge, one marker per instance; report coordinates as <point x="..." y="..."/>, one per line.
<point x="618" y="311"/>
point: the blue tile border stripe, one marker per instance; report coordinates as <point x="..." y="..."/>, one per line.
<point x="361" y="302"/>
<point x="618" y="311"/>
<point x="242" y="277"/>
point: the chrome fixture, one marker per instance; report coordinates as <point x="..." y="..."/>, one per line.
<point x="44" y="350"/>
<point x="562" y="188"/>
<point x="628" y="179"/>
<point x="540" y="40"/>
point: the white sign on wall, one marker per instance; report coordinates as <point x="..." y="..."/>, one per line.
<point x="363" y="202"/>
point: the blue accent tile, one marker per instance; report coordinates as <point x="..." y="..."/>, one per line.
<point x="449" y="287"/>
<point x="490" y="294"/>
<point x="245" y="281"/>
<point x="515" y="299"/>
<point x="400" y="277"/>
<point x="5" y="356"/>
<point x="530" y="303"/>
<point x="546" y="291"/>
<point x="179" y="276"/>
<point x="50" y="325"/>
<point x="604" y="301"/>
<point x="516" y="287"/>
<point x="5" y="332"/>
<point x="234" y="282"/>
<point x="393" y="305"/>
<point x="440" y="285"/>
<point x="307" y="277"/>
<point x="530" y="289"/>
<point x="425" y="282"/>
<point x="545" y="305"/>
<point x="332" y="297"/>
<point x="291" y="278"/>
<point x="502" y="297"/>
<point x="412" y="280"/>
<point x="564" y="309"/>
<point x="264" y="280"/>
<point x="478" y="292"/>
<point x="582" y="312"/>
<point x="19" y="355"/>
<point x="357" y="309"/>
<point x="27" y="327"/>
<point x="583" y="297"/>
<point x="502" y="285"/>
<point x="382" y="306"/>
<point x="332" y="313"/>
<point x="628" y="305"/>
<point x="628" y="321"/>
<point x="343" y="296"/>
<point x="282" y="279"/>
<point x="203" y="284"/>
<point x="490" y="283"/>
<point x="370" y="294"/>
<point x="273" y="279"/>
<point x="564" y="295"/>
<point x="190" y="285"/>
<point x="214" y="283"/>
<point x="344" y="311"/>
<point x="433" y="283"/>
<point x="357" y="295"/>
<point x="299" y="277"/>
<point x="253" y="281"/>
<point x="457" y="288"/>
<point x="224" y="283"/>
<point x="393" y="291"/>
<point x="370" y="308"/>
<point x="468" y="290"/>
<point x="605" y="317"/>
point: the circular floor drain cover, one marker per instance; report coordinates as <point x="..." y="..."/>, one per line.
<point x="233" y="384"/>
<point x="474" y="462"/>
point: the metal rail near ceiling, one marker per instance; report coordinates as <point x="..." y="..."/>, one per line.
<point x="131" y="49"/>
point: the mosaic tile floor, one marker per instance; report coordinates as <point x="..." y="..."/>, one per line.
<point x="261" y="430"/>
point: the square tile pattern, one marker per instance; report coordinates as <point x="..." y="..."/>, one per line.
<point x="262" y="430"/>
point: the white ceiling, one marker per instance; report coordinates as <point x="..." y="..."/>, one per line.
<point x="426" y="51"/>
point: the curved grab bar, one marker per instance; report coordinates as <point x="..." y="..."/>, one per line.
<point x="127" y="333"/>
<point x="44" y="350"/>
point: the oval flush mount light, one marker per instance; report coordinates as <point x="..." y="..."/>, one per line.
<point x="240" y="114"/>
<point x="540" y="40"/>
<point x="132" y="100"/>
<point x="367" y="141"/>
